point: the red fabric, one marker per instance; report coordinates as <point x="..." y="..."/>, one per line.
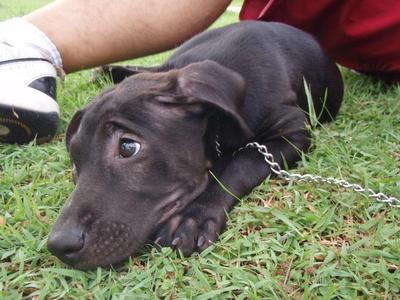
<point x="360" y="34"/>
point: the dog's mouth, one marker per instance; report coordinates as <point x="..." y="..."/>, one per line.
<point x="169" y="211"/>
<point x="179" y="198"/>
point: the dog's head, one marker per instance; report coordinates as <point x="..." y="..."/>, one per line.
<point x="139" y="155"/>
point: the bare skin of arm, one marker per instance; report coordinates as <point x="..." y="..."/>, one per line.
<point x="95" y="32"/>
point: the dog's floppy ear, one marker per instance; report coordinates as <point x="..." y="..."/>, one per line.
<point x="73" y="127"/>
<point x="214" y="86"/>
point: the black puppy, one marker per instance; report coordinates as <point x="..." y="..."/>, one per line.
<point x="143" y="149"/>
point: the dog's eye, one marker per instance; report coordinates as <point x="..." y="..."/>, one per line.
<point x="128" y="147"/>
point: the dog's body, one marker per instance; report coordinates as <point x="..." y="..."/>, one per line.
<point x="143" y="149"/>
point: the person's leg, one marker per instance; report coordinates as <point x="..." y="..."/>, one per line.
<point x="94" y="32"/>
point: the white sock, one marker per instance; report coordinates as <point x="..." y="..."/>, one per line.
<point x="21" y="39"/>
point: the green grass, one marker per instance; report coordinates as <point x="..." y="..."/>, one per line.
<point x="285" y="241"/>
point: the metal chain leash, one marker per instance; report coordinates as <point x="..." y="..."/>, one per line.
<point x="269" y="159"/>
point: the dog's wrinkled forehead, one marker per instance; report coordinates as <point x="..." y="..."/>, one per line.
<point x="135" y="89"/>
<point x="147" y="84"/>
<point x="129" y="98"/>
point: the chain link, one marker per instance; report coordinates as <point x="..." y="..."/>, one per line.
<point x="269" y="159"/>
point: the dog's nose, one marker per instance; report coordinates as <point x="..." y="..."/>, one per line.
<point x="66" y="244"/>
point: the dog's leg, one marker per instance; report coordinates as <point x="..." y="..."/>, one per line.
<point x="198" y="225"/>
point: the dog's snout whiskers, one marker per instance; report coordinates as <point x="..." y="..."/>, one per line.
<point x="110" y="238"/>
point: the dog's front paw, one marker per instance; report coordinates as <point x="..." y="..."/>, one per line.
<point x="190" y="233"/>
